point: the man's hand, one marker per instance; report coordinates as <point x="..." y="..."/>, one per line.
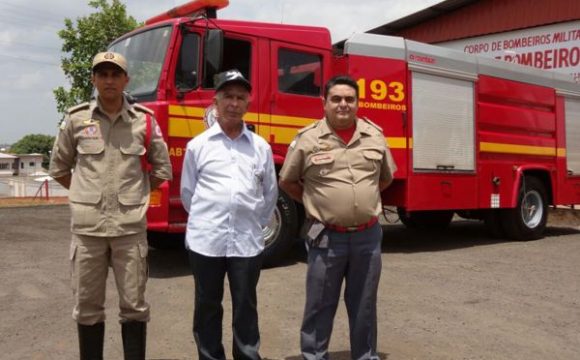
<point x="64" y="180"/>
<point x="155" y="182"/>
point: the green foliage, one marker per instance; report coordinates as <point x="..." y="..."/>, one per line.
<point x="34" y="144"/>
<point x="82" y="40"/>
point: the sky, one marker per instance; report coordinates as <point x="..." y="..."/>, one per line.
<point x="30" y="49"/>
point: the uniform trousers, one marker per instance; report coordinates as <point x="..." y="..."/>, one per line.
<point x="90" y="258"/>
<point x="355" y="257"/>
<point x="209" y="274"/>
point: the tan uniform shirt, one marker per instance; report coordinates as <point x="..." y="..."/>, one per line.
<point x="109" y="190"/>
<point x="341" y="181"/>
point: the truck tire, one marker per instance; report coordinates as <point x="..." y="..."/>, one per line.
<point x="425" y="219"/>
<point x="527" y="221"/>
<point x="281" y="233"/>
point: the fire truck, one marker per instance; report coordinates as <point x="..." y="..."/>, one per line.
<point x="472" y="136"/>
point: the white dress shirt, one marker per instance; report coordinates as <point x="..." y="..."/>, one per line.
<point x="229" y="189"/>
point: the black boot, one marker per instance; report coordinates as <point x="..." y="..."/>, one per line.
<point x="134" y="339"/>
<point x="91" y="338"/>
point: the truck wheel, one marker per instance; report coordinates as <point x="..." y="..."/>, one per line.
<point x="527" y="221"/>
<point x="282" y="230"/>
<point x="425" y="219"/>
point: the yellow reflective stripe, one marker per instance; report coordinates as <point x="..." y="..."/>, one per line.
<point x="397" y="142"/>
<point x="188" y="111"/>
<point x="184" y="127"/>
<point x="561" y="152"/>
<point x="519" y="149"/>
<point x="266" y="125"/>
<point x="291" y="120"/>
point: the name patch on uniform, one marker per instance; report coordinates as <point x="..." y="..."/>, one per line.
<point x="322" y="159"/>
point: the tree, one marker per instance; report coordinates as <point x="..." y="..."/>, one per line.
<point x="90" y="35"/>
<point x="34" y="144"/>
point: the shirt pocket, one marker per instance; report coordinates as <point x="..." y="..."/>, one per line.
<point x="90" y="157"/>
<point x="319" y="165"/>
<point x="130" y="165"/>
<point x="371" y="160"/>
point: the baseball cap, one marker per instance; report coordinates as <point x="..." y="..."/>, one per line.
<point x="230" y="77"/>
<point x="110" y="57"/>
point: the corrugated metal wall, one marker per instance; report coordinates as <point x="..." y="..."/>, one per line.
<point x="490" y="16"/>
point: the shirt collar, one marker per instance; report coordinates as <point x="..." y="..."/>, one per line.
<point x="127" y="112"/>
<point x="361" y="127"/>
<point x="216" y="129"/>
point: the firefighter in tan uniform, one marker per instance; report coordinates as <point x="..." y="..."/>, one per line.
<point x="109" y="154"/>
<point x="337" y="167"/>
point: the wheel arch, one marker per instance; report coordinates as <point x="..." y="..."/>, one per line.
<point x="541" y="173"/>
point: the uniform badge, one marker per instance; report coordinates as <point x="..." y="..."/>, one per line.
<point x="91" y="132"/>
<point x="90" y="122"/>
<point x="62" y="124"/>
<point x="158" y="131"/>
<point x="292" y="144"/>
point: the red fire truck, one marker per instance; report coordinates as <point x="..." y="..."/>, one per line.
<point x="471" y="136"/>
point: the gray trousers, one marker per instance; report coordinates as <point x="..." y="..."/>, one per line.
<point x="355" y="257"/>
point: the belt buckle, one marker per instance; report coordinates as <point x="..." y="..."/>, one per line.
<point x="352" y="228"/>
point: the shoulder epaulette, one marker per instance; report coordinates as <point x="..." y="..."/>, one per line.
<point x="74" y="109"/>
<point x="144" y="109"/>
<point x="311" y="126"/>
<point x="365" y="119"/>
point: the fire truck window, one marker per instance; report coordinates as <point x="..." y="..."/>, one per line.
<point x="186" y="71"/>
<point x="299" y="72"/>
<point x="236" y="55"/>
<point x="145" y="53"/>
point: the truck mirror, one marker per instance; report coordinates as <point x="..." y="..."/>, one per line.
<point x="186" y="78"/>
<point x="212" y="55"/>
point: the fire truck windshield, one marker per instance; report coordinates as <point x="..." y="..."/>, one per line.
<point x="145" y="53"/>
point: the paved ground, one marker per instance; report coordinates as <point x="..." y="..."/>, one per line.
<point x="451" y="295"/>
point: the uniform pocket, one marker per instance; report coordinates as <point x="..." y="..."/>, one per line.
<point x="320" y="164"/>
<point x="370" y="160"/>
<point x="90" y="154"/>
<point x="133" y="149"/>
<point x="373" y="155"/>
<point x="144" y="264"/>
<point x="72" y="258"/>
<point x="130" y="166"/>
<point x="132" y="198"/>
<point x="90" y="146"/>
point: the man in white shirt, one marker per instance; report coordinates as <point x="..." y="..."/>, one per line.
<point x="228" y="187"/>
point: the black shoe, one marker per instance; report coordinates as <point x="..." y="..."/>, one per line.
<point x="134" y="339"/>
<point x="91" y="338"/>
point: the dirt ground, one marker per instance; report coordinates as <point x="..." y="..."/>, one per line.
<point x="450" y="295"/>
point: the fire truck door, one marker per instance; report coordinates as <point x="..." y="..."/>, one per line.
<point x="296" y="82"/>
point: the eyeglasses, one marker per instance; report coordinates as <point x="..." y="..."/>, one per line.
<point x="338" y="99"/>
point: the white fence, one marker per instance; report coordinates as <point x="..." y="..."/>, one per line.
<point x="22" y="186"/>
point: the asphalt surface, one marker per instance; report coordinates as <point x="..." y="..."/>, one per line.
<point x="456" y="294"/>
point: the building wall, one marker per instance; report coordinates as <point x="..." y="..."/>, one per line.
<point x="29" y="165"/>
